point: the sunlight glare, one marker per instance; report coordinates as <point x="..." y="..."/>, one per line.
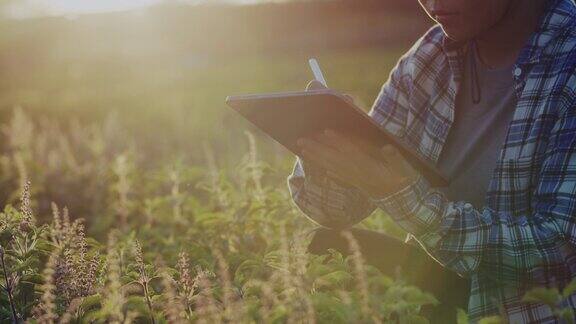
<point x="32" y="8"/>
<point x="87" y="6"/>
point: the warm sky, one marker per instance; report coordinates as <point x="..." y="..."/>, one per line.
<point x="71" y="7"/>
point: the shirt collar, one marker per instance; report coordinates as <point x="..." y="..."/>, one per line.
<point x="555" y="21"/>
<point x="557" y="16"/>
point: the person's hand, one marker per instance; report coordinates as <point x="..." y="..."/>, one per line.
<point x="379" y="173"/>
<point x="317" y="85"/>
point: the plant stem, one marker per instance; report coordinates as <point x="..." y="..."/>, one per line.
<point x="145" y="285"/>
<point x="9" y="289"/>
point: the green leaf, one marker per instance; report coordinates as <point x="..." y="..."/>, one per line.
<point x="329" y="309"/>
<point x="335" y="278"/>
<point x="567" y="314"/>
<point x="550" y="297"/>
<point x="492" y="320"/>
<point x="569" y="290"/>
<point x="461" y="316"/>
<point x="91" y="301"/>
<point x="33" y="278"/>
<point x="416" y="296"/>
<point x="414" y="319"/>
<point x="137" y="303"/>
<point x="278" y="314"/>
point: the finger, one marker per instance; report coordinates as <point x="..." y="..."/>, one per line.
<point x="332" y="141"/>
<point x="391" y="156"/>
<point x="341" y="177"/>
<point x="331" y="158"/>
<point x="315" y="85"/>
<point x="395" y="160"/>
<point x="356" y="144"/>
<point x="389" y="152"/>
<point x="348" y="97"/>
<point x="322" y="150"/>
<point x="326" y="156"/>
<point x="318" y="160"/>
<point x="337" y="167"/>
<point x="342" y="143"/>
<point x="313" y="144"/>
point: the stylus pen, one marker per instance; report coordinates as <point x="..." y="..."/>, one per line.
<point x="317" y="71"/>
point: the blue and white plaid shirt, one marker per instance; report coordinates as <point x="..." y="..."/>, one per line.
<point x="525" y="234"/>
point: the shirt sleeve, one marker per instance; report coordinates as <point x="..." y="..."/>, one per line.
<point x="325" y="200"/>
<point x="330" y="202"/>
<point x="509" y="248"/>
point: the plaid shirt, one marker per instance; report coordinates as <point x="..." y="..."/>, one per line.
<point x="525" y="235"/>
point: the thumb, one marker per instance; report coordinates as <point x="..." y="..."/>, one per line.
<point x="396" y="160"/>
<point x="315" y="85"/>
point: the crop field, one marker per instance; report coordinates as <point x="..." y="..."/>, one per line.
<point x="145" y="199"/>
<point x="131" y="193"/>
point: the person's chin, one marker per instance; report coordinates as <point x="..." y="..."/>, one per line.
<point x="456" y="34"/>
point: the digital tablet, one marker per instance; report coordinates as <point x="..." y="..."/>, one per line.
<point x="288" y="116"/>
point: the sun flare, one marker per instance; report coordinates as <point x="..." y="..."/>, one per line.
<point x="87" y="6"/>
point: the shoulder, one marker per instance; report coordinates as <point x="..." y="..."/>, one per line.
<point x="425" y="53"/>
<point x="560" y="57"/>
<point x="432" y="39"/>
<point x="558" y="38"/>
<point x="561" y="40"/>
<point x="553" y="65"/>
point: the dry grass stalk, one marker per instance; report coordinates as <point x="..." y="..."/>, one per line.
<point x="269" y="299"/>
<point x="360" y="276"/>
<point x="285" y="260"/>
<point x="185" y="282"/>
<point x="301" y="263"/>
<point x="214" y="177"/>
<point x="21" y="169"/>
<point x="232" y="307"/>
<point x="206" y="306"/>
<point x="293" y="279"/>
<point x="76" y="272"/>
<point x="45" y="313"/>
<point x="144" y="279"/>
<point x="26" y="206"/>
<point x="254" y="168"/>
<point x="71" y="310"/>
<point x="176" y="195"/>
<point x="56" y="219"/>
<point x="67" y="152"/>
<point x="173" y="307"/>
<point x="112" y="292"/>
<point x="19" y="131"/>
<point x="130" y="317"/>
<point x="123" y="187"/>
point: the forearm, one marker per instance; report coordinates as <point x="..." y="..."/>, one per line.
<point x="469" y="240"/>
<point x="326" y="200"/>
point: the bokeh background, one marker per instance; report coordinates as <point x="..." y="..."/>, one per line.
<point x="131" y="192"/>
<point x="159" y="71"/>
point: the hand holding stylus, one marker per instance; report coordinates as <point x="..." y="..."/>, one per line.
<point x="378" y="172"/>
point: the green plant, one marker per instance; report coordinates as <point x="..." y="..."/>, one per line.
<point x="183" y="242"/>
<point x="555" y="299"/>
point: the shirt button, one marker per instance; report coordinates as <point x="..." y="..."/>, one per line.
<point x="517" y="72"/>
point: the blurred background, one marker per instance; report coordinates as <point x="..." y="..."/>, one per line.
<point x="114" y="110"/>
<point x="151" y="77"/>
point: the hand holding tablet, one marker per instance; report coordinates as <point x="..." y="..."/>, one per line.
<point x="290" y="116"/>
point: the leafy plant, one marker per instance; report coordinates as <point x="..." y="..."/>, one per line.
<point x="555" y="299"/>
<point x="181" y="245"/>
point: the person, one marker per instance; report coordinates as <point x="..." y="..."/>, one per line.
<point x="488" y="95"/>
